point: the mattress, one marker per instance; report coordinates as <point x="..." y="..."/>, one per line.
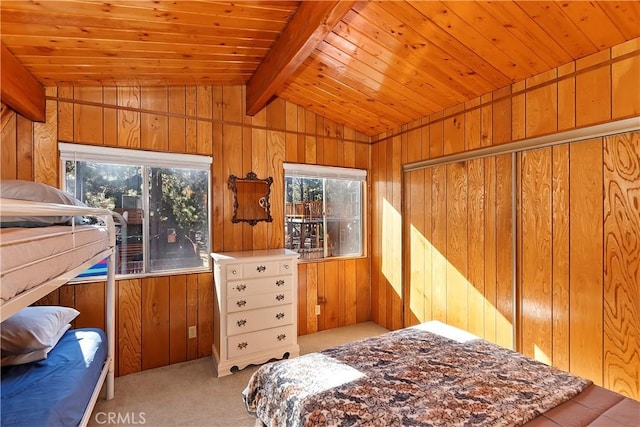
<point x="32" y="256"/>
<point x="431" y="374"/>
<point x="594" y="407"/>
<point x="54" y="391"/>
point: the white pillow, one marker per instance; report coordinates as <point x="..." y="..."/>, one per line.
<point x="34" y="356"/>
<point x="36" y="192"/>
<point x="34" y="328"/>
<point x="21" y="359"/>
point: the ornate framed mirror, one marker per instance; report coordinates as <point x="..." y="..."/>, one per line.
<point x="250" y="198"/>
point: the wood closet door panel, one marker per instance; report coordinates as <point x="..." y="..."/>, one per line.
<point x="439" y="243"/>
<point x="414" y="271"/>
<point x="585" y="259"/>
<point x="505" y="297"/>
<point x="457" y="246"/>
<point x="459" y="232"/>
<point x="490" y="247"/>
<point x="475" y="244"/>
<point x="560" y="250"/>
<point x="622" y="264"/>
<point x="536" y="255"/>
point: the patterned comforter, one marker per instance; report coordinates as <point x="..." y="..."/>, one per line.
<point x="409" y="377"/>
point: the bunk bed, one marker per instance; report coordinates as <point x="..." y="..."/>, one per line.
<point x="433" y="375"/>
<point x="62" y="388"/>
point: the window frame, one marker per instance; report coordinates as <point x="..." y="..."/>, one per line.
<point x="310" y="171"/>
<point x="145" y="160"/>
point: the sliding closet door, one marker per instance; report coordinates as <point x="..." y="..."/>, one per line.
<point x="544" y="255"/>
<point x="560" y="254"/>
<point x="622" y="264"/>
<point x="579" y="258"/>
<point x="459" y="240"/>
<point x="578" y="254"/>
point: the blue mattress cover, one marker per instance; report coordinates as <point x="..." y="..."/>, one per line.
<point x="54" y="391"/>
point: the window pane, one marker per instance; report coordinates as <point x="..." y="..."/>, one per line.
<point x="323" y="217"/>
<point x="304" y="224"/>
<point x="178" y="219"/>
<point x="118" y="188"/>
<point x="344" y="217"/>
<point x="178" y="212"/>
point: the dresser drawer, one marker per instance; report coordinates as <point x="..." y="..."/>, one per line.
<point x="250" y="302"/>
<point x="242" y="322"/>
<point x="240" y="288"/>
<point x="253" y="269"/>
<point x="240" y="345"/>
<point x="286" y="267"/>
<point x="234" y="271"/>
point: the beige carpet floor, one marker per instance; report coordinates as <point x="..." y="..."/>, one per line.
<point x="189" y="394"/>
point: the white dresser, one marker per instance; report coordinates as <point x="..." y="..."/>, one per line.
<point x="255" y="317"/>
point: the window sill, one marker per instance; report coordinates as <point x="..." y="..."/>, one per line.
<point x="140" y="275"/>
<point x="334" y="258"/>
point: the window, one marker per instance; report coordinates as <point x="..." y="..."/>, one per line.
<point x="163" y="201"/>
<point x="324" y="210"/>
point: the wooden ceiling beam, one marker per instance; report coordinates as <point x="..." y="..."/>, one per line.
<point x="19" y="89"/>
<point x="308" y="27"/>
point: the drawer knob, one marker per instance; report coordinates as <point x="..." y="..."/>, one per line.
<point x="243" y="345"/>
<point x="261" y="268"/>
<point x="241" y="287"/>
<point x="279" y="316"/>
<point x="280" y="297"/>
<point x="281" y="337"/>
<point x="241" y="323"/>
<point x="280" y="282"/>
<point x="286" y="266"/>
<point x="234" y="272"/>
<point x="241" y="303"/>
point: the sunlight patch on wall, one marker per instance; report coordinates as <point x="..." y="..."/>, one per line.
<point x="439" y="291"/>
<point x="392" y="246"/>
<point x="417" y="299"/>
<point x="540" y="355"/>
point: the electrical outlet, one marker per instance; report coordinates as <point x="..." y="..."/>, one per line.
<point x="317" y="309"/>
<point x="193" y="332"/>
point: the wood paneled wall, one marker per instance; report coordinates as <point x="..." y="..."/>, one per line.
<point x="621" y="241"/>
<point x="154" y="313"/>
<point x="458" y="233"/>
<point x="577" y="297"/>
<point x="579" y="259"/>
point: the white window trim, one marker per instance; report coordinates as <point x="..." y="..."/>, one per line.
<point x="125" y="156"/>
<point x="316" y="171"/>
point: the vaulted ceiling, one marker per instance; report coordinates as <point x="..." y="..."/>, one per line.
<point x="372" y="66"/>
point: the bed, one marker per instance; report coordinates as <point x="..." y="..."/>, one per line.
<point x="62" y="388"/>
<point x="61" y="380"/>
<point x="428" y="375"/>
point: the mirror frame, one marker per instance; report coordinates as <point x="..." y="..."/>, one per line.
<point x="252" y="177"/>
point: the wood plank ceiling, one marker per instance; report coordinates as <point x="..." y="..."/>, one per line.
<point x="377" y="66"/>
